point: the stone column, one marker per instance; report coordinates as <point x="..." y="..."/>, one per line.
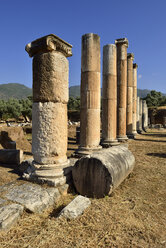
<point x="109" y="96"/>
<point x="90" y="95"/>
<point x="122" y="45"/>
<point x="138" y="101"/>
<point x="49" y="112"/>
<point x="140" y="116"/>
<point x="129" y="114"/>
<point x="144" y="115"/>
<point x="135" y="66"/>
<point x="146" y="120"/>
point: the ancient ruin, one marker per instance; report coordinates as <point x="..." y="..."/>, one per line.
<point x="109" y="96"/>
<point x="49" y="112"/>
<point x="130" y="105"/>
<point x="135" y="66"/>
<point x="122" y="45"/>
<point x="90" y="95"/>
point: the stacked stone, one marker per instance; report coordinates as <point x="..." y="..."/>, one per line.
<point x="49" y="112"/>
<point x="90" y="95"/>
<point x="109" y="96"/>
<point x="129" y="113"/>
<point x="135" y="66"/>
<point x="122" y="45"/>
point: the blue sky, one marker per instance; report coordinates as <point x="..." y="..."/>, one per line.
<point x="143" y="22"/>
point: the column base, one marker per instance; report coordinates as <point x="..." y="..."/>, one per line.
<point x="52" y="174"/>
<point x="130" y="136"/>
<point x="122" y="138"/>
<point x="139" y="131"/>
<point x="109" y="143"/>
<point x="83" y="151"/>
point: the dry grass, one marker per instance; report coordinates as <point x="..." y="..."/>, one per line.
<point x="134" y="216"/>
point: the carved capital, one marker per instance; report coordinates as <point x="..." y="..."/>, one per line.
<point x="122" y="41"/>
<point x="49" y="43"/>
<point x="135" y="66"/>
<point x="130" y="55"/>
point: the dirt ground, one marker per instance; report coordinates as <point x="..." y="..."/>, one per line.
<point x="134" y="215"/>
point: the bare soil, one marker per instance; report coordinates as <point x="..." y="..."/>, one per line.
<point x="134" y="215"/>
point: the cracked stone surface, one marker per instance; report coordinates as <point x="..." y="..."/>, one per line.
<point x="75" y="208"/>
<point x="33" y="197"/>
<point x="2" y="201"/>
<point x="9" y="215"/>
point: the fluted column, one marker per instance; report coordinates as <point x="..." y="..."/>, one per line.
<point x="109" y="96"/>
<point x="122" y="45"/>
<point x="129" y="114"/>
<point x="135" y="66"/>
<point x="49" y="112"/>
<point x="90" y="95"/>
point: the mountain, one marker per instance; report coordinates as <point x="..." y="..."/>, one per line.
<point x="14" y="90"/>
<point x="75" y="92"/>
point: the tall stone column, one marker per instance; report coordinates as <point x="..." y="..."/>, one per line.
<point x="129" y="114"/>
<point x="49" y="112"/>
<point x="135" y="66"/>
<point x="140" y="116"/>
<point x="109" y="96"/>
<point x="122" y="45"/>
<point x="144" y="112"/>
<point x="138" y="101"/>
<point x="90" y="95"/>
<point x="146" y="120"/>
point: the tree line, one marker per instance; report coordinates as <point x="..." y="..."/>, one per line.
<point x="14" y="108"/>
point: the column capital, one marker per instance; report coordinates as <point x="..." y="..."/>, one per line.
<point x="130" y="55"/>
<point x="49" y="43"/>
<point x="135" y="66"/>
<point x="122" y="41"/>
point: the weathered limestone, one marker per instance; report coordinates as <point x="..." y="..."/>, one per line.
<point x="135" y="66"/>
<point x="75" y="208"/>
<point x="144" y="115"/>
<point x="33" y="197"/>
<point x="138" y="100"/>
<point x="122" y="45"/>
<point x="90" y="95"/>
<point x="49" y="112"/>
<point x="140" y="116"/>
<point x="11" y="156"/>
<point x="109" y="96"/>
<point x="129" y="114"/>
<point x="98" y="174"/>
<point x="9" y="214"/>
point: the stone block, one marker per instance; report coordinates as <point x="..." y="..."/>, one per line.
<point x="9" y="214"/>
<point x="33" y="197"/>
<point x="11" y="156"/>
<point x="75" y="208"/>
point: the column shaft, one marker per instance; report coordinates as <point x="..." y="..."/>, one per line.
<point x="109" y="96"/>
<point x="129" y="116"/>
<point x="90" y="94"/>
<point x="122" y="45"/>
<point x="135" y="66"/>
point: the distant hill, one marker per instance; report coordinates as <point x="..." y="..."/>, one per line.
<point x="75" y="92"/>
<point x="14" y="90"/>
<point x="19" y="91"/>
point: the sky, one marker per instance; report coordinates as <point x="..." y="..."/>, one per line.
<point x="142" y="22"/>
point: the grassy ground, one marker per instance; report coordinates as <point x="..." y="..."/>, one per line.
<point x="134" y="215"/>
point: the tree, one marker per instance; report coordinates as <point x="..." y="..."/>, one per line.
<point x="155" y="99"/>
<point x="74" y="103"/>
